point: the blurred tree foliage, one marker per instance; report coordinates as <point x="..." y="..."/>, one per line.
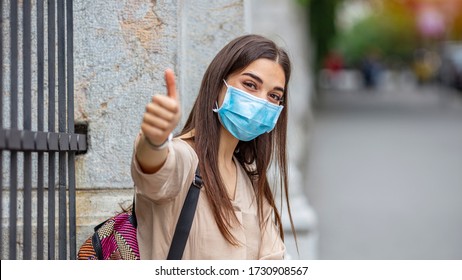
<point x="390" y="32"/>
<point x="322" y="17"/>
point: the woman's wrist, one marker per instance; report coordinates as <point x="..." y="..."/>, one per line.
<point x="161" y="146"/>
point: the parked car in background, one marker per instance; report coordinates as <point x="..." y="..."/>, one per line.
<point x="450" y="72"/>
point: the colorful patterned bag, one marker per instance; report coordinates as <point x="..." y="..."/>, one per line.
<point x="114" y="239"/>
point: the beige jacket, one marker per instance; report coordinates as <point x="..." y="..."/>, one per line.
<point x="160" y="196"/>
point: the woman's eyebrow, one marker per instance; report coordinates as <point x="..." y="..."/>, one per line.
<point x="254" y="76"/>
<point x="261" y="81"/>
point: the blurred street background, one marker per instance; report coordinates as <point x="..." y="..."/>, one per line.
<point x="384" y="168"/>
<point x="384" y="174"/>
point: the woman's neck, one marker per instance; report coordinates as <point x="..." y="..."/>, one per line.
<point x="226" y="166"/>
<point x="227" y="145"/>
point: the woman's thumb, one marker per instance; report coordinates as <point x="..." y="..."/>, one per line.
<point x="171" y="85"/>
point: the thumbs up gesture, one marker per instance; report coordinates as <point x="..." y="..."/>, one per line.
<point x="162" y="113"/>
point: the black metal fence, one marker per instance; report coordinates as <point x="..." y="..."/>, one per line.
<point x="36" y="43"/>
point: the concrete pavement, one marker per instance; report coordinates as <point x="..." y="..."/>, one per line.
<point x="385" y="174"/>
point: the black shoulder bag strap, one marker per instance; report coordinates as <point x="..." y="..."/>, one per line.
<point x="183" y="226"/>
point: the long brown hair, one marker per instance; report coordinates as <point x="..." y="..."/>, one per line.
<point x="255" y="155"/>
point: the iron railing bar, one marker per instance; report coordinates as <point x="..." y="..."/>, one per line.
<point x="40" y="206"/>
<point x="41" y="141"/>
<point x="72" y="207"/>
<point x="40" y="65"/>
<point x="27" y="72"/>
<point x="1" y="81"/>
<point x="40" y="127"/>
<point x="51" y="206"/>
<point x="51" y="127"/>
<point x="1" y="125"/>
<point x="62" y="128"/>
<point x="27" y="207"/>
<point x="14" y="124"/>
<point x="70" y="128"/>
<point x="27" y="123"/>
<point x="1" y="194"/>
<point x="70" y="66"/>
<point x="13" y="204"/>
<point x="14" y="63"/>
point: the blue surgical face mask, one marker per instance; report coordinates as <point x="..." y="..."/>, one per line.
<point x="245" y="116"/>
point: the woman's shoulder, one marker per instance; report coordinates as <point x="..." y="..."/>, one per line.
<point x="185" y="142"/>
<point x="184" y="145"/>
<point x="184" y="154"/>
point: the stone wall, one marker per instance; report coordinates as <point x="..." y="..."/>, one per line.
<point x="121" y="51"/>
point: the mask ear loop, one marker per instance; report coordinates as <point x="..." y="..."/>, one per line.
<point x="216" y="102"/>
<point x="215" y="108"/>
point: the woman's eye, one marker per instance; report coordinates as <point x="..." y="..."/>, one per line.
<point x="275" y="97"/>
<point x="250" y="85"/>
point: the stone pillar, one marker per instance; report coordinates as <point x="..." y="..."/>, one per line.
<point x="285" y="23"/>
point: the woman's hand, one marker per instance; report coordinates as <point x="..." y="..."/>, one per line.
<point x="162" y="113"/>
<point x="160" y="119"/>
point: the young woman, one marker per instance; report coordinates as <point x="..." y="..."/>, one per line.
<point x="236" y="128"/>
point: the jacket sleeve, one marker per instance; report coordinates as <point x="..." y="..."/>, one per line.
<point x="167" y="182"/>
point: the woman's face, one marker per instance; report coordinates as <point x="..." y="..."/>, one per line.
<point x="262" y="78"/>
